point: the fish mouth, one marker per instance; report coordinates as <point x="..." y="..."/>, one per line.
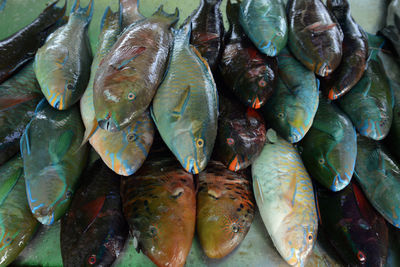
<point x="109" y="125"/>
<point x="46" y="220"/>
<point x="191" y="166"/>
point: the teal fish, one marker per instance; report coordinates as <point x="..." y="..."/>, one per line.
<point x="329" y="149"/>
<point x="185" y="108"/>
<point x="17" y="225"/>
<point x="264" y="21"/>
<point x="369" y="103"/>
<point x="53" y="160"/>
<point x="292" y="107"/>
<point x="285" y="198"/>
<point x="62" y="64"/>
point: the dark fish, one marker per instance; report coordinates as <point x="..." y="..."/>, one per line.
<point x="130" y="12"/>
<point x="20" y="47"/>
<point x="393" y="257"/>
<point x="19" y="96"/>
<point x="329" y="149"/>
<point x="225" y="209"/>
<point x="208" y="31"/>
<point x="250" y="75"/>
<point x="358" y="233"/>
<point x="315" y="38"/>
<point x="94" y="230"/>
<point x="241" y="135"/>
<point x="354" y="49"/>
<point x="159" y="203"/>
<point x="392" y="28"/>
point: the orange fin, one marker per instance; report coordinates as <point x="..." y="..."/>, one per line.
<point x="92" y="209"/>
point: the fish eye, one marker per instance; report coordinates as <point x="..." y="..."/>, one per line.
<point x="230" y="141"/>
<point x="321" y="161"/>
<point x="153" y="230"/>
<point x="200" y="143"/>
<point x="68" y="194"/>
<point x="177" y="192"/>
<point x="281" y="115"/>
<point x="310" y="237"/>
<point x="70" y="86"/>
<point x="92" y="259"/>
<point x="131" y="137"/>
<point x="262" y="83"/>
<point x="361" y="256"/>
<point x="131" y="96"/>
<point x="8" y="240"/>
<point x="235" y="228"/>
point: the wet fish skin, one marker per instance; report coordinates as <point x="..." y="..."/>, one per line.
<point x="20" y="47"/>
<point x="185" y="108"/>
<point x="378" y="174"/>
<point x="225" y="209"/>
<point x="329" y="149"/>
<point x="19" y="96"/>
<point x="358" y="233"/>
<point x="94" y="230"/>
<point x="17" y="225"/>
<point x="291" y="109"/>
<point x="315" y="37"/>
<point x="391" y="30"/>
<point x="285" y="198"/>
<point x="264" y="21"/>
<point x="130" y="12"/>
<point x="354" y="52"/>
<point x="128" y="77"/>
<point x="54" y="137"/>
<point x="248" y="73"/>
<point x="62" y="64"/>
<point x="159" y="203"/>
<point x="369" y="103"/>
<point x="208" y="31"/>
<point x="241" y="135"/>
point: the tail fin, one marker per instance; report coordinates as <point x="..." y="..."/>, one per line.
<point x="172" y="19"/>
<point x="213" y="2"/>
<point x="232" y="11"/>
<point x="183" y="33"/>
<point x="109" y="17"/>
<point x="129" y="12"/>
<point x="86" y="12"/>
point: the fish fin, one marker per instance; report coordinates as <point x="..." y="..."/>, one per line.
<point x="129" y="12"/>
<point x="152" y="115"/>
<point x="362" y="202"/>
<point x="290" y="195"/>
<point x="91" y="210"/>
<point x="206" y="66"/>
<point x="183" y="33"/>
<point x="89" y="134"/>
<point x="24" y="141"/>
<point x="86" y="11"/>
<point x="41" y="105"/>
<point x="58" y="148"/>
<point x="6" y="103"/>
<point x="172" y="19"/>
<point x="62" y="57"/>
<point x="258" y="189"/>
<point x="133" y="53"/>
<point x="205" y="37"/>
<point x="182" y="103"/>
<point x="106" y="17"/>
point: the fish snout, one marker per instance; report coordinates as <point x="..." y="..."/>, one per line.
<point x="108" y="125"/>
<point x="44" y="215"/>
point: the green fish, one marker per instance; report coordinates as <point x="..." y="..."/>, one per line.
<point x="292" y="107"/>
<point x="369" y="102"/>
<point x="379" y="176"/>
<point x="19" y="96"/>
<point x="329" y="149"/>
<point x="17" y="225"/>
<point x="62" y="64"/>
<point x="53" y="160"/>
<point x="185" y="108"/>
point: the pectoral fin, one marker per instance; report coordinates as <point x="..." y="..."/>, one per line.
<point x="182" y="103"/>
<point x="92" y="210"/>
<point x="133" y="53"/>
<point x="290" y="194"/>
<point x="58" y="148"/>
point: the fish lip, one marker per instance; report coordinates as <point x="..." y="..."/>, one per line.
<point x="109" y="125"/>
<point x="46" y="220"/>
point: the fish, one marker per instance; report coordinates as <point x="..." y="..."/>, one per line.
<point x="241" y="135"/>
<point x="393" y="257"/>
<point x="159" y="204"/>
<point x="249" y="74"/>
<point x="54" y="137"/>
<point x="128" y="77"/>
<point x="62" y="64"/>
<point x="329" y="149"/>
<point x="225" y="209"/>
<point x="19" y="96"/>
<point x="292" y="108"/>
<point x="315" y="37"/>
<point x="358" y="233"/>
<point x="185" y="108"/>
<point x="264" y="21"/>
<point x="369" y="103"/>
<point x="19" y="48"/>
<point x="130" y="12"/>
<point x="285" y="197"/>
<point x="378" y="174"/>
<point x="208" y="31"/>
<point x="17" y="225"/>
<point x="391" y="31"/>
<point x="354" y="52"/>
<point x="94" y="230"/>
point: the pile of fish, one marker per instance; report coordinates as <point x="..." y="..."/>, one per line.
<point x="197" y="129"/>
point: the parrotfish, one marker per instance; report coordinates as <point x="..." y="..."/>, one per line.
<point x="94" y="230"/>
<point x="225" y="209"/>
<point x="62" y="64"/>
<point x="392" y="28"/>
<point x="159" y="203"/>
<point x="241" y="135"/>
<point x="248" y="73"/>
<point x="323" y="253"/>
<point x="208" y="31"/>
<point x="354" y="49"/>
<point x="128" y="77"/>
<point x="17" y="225"/>
<point x="379" y="176"/>
<point x="329" y="149"/>
<point x="130" y="12"/>
<point x="53" y="160"/>
<point x="19" y="96"/>
<point x="264" y="21"/>
<point x="292" y="107"/>
<point x="185" y="108"/>
<point x="285" y="197"/>
<point x="358" y="233"/>
<point x="315" y="37"/>
<point x="20" y="47"/>
<point x="369" y="103"/>
<point x="393" y="257"/>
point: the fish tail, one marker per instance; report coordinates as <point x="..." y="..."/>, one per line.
<point x="172" y="19"/>
<point x="213" y="2"/>
<point x="131" y="6"/>
<point x="87" y="11"/>
<point x="108" y="17"/>
<point x="182" y="35"/>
